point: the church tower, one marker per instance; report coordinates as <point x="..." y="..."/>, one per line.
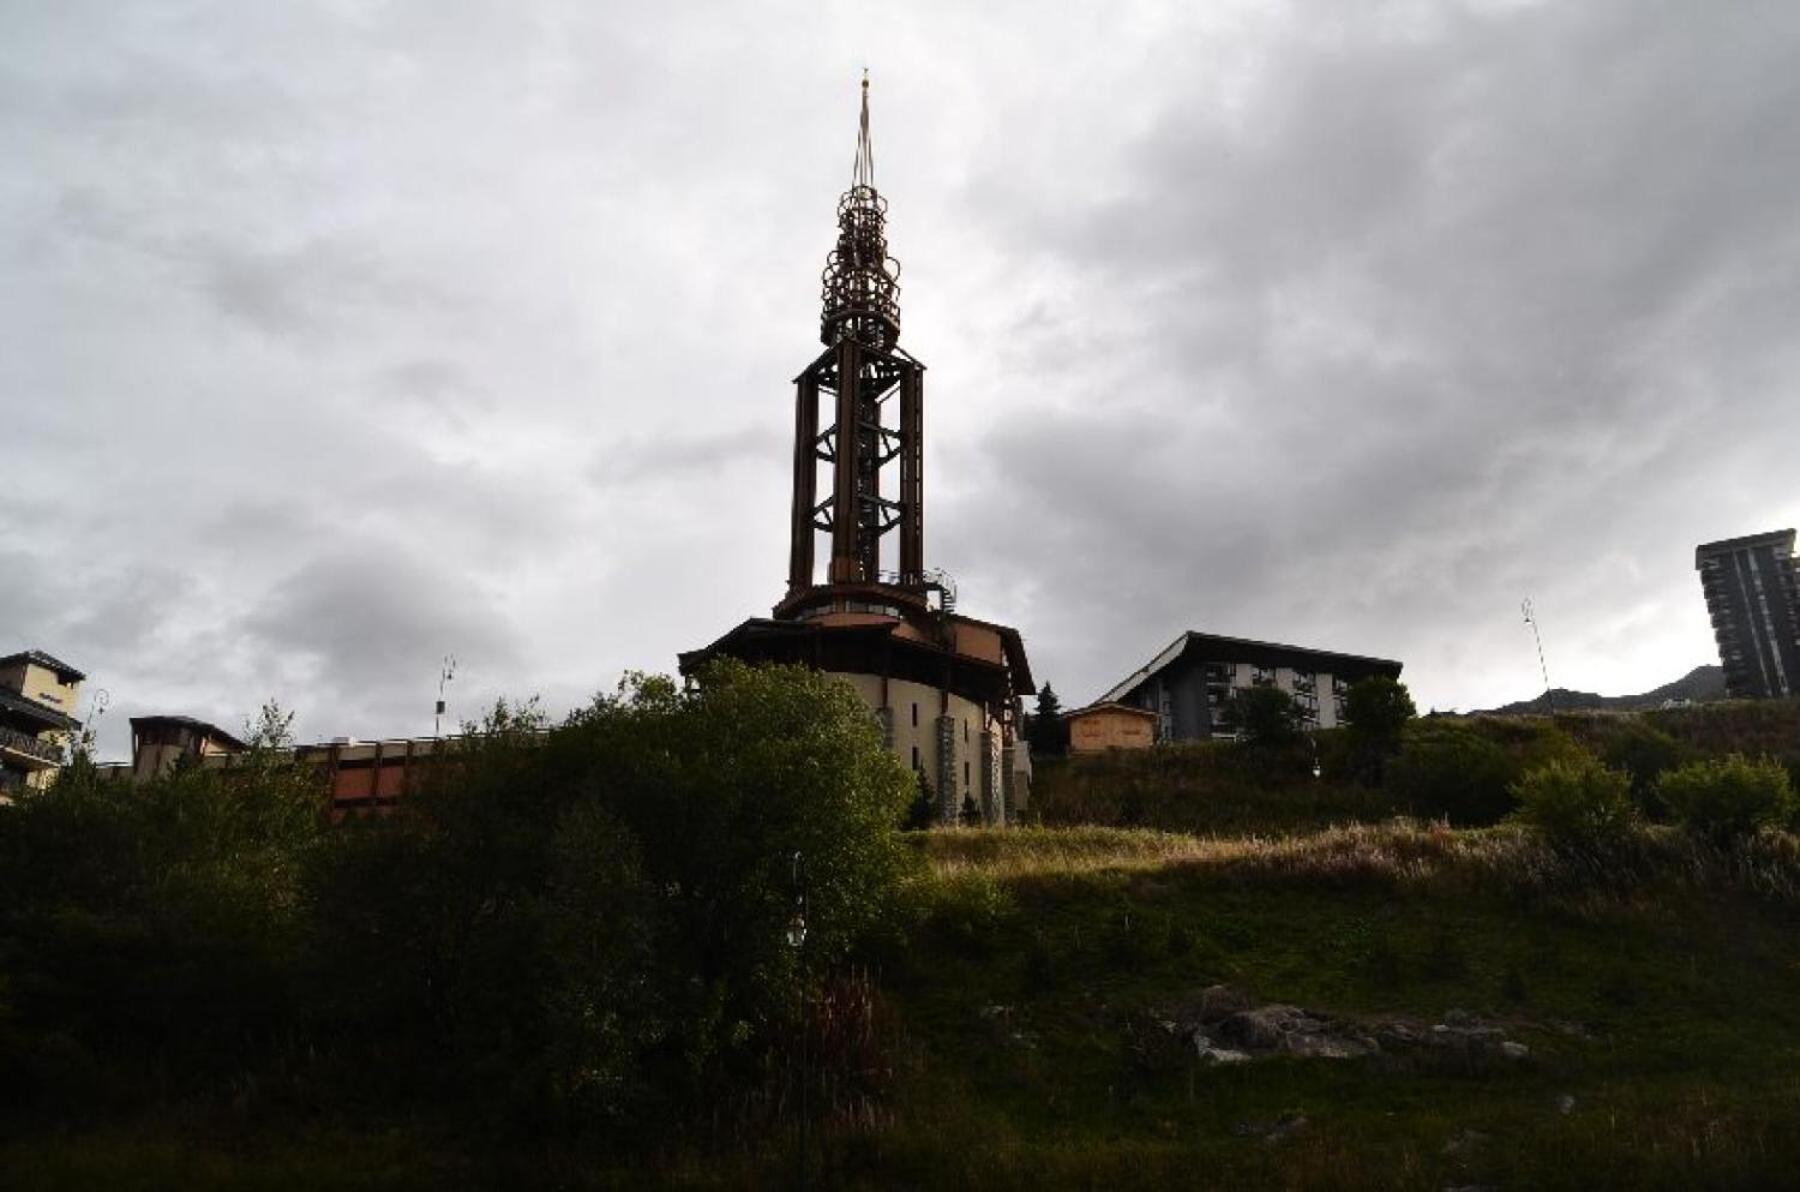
<point x="944" y="686"/>
<point x="875" y="397"/>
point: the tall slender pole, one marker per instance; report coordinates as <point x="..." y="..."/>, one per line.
<point x="1531" y="620"/>
<point x="444" y="676"/>
<point x="796" y="936"/>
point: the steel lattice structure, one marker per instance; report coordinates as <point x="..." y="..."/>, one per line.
<point x="876" y="398"/>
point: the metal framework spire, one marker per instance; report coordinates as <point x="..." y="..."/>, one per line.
<point x="875" y="395"/>
<point x="861" y="283"/>
<point x="863" y="173"/>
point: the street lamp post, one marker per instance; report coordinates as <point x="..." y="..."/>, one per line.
<point x="1531" y="620"/>
<point x="796" y="939"/>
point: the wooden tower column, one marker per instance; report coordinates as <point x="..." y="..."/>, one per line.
<point x="912" y="476"/>
<point x="806" y="484"/>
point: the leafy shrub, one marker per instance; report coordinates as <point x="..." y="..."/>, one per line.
<point x="1579" y="805"/>
<point x="1451" y="771"/>
<point x="131" y="915"/>
<point x="1644" y="753"/>
<point x="593" y="921"/>
<point x="1728" y="798"/>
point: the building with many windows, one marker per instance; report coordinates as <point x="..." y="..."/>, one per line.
<point x="1750" y="585"/>
<point x="1190" y="685"/>
<point x="38" y="697"/>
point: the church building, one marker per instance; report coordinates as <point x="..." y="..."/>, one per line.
<point x="945" y="687"/>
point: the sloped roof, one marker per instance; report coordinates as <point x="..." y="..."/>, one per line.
<point x="1215" y="647"/>
<point x="12" y="701"/>
<point x="200" y="726"/>
<point x="1109" y="706"/>
<point x="64" y="671"/>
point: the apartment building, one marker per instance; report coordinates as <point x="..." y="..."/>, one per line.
<point x="1189" y="686"/>
<point x="1750" y="585"/>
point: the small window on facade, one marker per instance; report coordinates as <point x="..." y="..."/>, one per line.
<point x="965" y="732"/>
<point x="915" y="757"/>
<point x="915" y="715"/>
<point x="965" y="773"/>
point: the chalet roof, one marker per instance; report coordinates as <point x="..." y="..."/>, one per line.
<point x="189" y="722"/>
<point x="1109" y="706"/>
<point x="1213" y="647"/>
<point x="64" y="671"/>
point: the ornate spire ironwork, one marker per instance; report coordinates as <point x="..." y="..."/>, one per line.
<point x="861" y="282"/>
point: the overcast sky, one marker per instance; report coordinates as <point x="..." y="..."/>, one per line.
<point x="338" y="337"/>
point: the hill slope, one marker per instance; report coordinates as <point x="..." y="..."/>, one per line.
<point x="1699" y="685"/>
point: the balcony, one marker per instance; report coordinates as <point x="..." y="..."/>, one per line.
<point x="36" y="754"/>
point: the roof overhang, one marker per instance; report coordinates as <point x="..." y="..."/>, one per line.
<point x="1213" y="647"/>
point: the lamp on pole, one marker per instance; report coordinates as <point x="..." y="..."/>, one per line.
<point x="445" y="675"/>
<point x="796" y="938"/>
<point x="1531" y="620"/>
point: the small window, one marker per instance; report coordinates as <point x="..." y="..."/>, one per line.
<point x="965" y="773"/>
<point x="915" y="715"/>
<point x="915" y="757"/>
<point x="965" y="732"/>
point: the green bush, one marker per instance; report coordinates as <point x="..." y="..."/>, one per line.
<point x="131" y="915"/>
<point x="1644" y="753"/>
<point x="1729" y="798"/>
<point x="1450" y="771"/>
<point x="1579" y="805"/>
<point x="591" y="923"/>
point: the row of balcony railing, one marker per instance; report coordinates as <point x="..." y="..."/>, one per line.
<point x="48" y="751"/>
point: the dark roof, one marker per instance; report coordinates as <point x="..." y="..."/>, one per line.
<point x="64" y="671"/>
<point x="1109" y="706"/>
<point x="1213" y="647"/>
<point x="862" y="647"/>
<point x="1781" y="540"/>
<point x="202" y="726"/>
<point x="12" y="701"/>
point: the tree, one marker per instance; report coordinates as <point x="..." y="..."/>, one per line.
<point x="1267" y="717"/>
<point x="605" y="917"/>
<point x="1376" y="711"/>
<point x="1048" y="734"/>
<point x="1448" y="770"/>
<point x="924" y="810"/>
<point x="971" y="813"/>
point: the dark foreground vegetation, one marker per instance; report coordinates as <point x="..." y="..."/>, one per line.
<point x="577" y="961"/>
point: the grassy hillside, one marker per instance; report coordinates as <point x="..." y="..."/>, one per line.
<point x="1662" y="1001"/>
<point x="1058" y="1006"/>
<point x="1217" y="788"/>
<point x="1022" y="1028"/>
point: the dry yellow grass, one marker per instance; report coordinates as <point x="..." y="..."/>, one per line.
<point x="1401" y="851"/>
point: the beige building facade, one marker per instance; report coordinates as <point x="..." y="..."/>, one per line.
<point x="39" y="698"/>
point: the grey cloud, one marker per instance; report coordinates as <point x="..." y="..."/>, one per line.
<point x="369" y="619"/>
<point x="687" y="456"/>
<point x="1420" y="299"/>
<point x="473" y="330"/>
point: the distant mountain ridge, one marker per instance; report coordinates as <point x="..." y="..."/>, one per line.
<point x="1699" y="685"/>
